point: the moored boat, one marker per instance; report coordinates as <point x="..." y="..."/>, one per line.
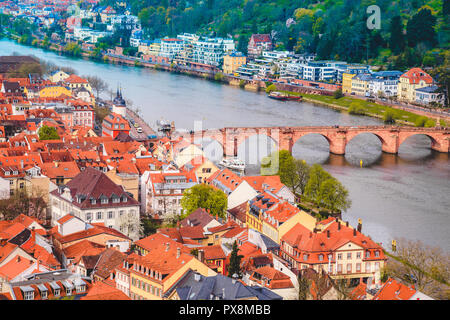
<point x="233" y="163"/>
<point x="284" y="96"/>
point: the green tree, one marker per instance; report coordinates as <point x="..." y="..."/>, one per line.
<point x="235" y="262"/>
<point x="389" y="117"/>
<point x="333" y="195"/>
<point x="206" y="197"/>
<point x="356" y="108"/>
<point x="396" y="39"/>
<point x="317" y="175"/>
<point x="421" y="29"/>
<point x="48" y="133"/>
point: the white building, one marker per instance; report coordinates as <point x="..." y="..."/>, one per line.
<point x="92" y="197"/>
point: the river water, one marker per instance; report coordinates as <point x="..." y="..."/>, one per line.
<point x="396" y="196"/>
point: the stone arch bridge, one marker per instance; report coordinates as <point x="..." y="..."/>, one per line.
<point x="338" y="137"/>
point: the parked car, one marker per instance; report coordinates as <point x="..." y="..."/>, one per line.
<point x="136" y="125"/>
<point x="139" y="130"/>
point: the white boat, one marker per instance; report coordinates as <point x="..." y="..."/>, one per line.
<point x="233" y="163"/>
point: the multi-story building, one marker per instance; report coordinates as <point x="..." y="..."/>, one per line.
<point x="361" y="84"/>
<point x="411" y="80"/>
<point x="83" y="115"/>
<point x="429" y="95"/>
<point x="347" y="82"/>
<point x="93" y="197"/>
<point x="114" y="124"/>
<point x="153" y="275"/>
<point x="232" y="62"/>
<point x="257" y="44"/>
<point x="165" y="190"/>
<point x="170" y="47"/>
<point x="334" y="247"/>
<point x="384" y="83"/>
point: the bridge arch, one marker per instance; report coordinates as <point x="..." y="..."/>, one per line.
<point x="436" y="143"/>
<point x="312" y="147"/>
<point x="252" y="148"/>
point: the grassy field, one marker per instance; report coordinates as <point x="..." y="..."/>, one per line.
<point x="363" y="107"/>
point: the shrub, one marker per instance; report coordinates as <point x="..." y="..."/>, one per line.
<point x="420" y="121"/>
<point x="338" y="94"/>
<point x="218" y="77"/>
<point x="389" y="117"/>
<point x="430" y="123"/>
<point x="242" y="84"/>
<point x="357" y="109"/>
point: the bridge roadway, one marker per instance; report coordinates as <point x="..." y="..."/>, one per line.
<point x="338" y="137"/>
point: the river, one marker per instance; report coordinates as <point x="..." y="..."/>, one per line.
<point x="396" y="196"/>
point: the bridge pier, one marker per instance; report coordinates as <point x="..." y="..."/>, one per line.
<point x="286" y="143"/>
<point x="443" y="145"/>
<point x="391" y="143"/>
<point x="337" y="142"/>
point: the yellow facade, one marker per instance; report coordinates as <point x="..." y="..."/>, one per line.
<point x="144" y="287"/>
<point x="58" y="76"/>
<point x="347" y="82"/>
<point x="205" y="170"/>
<point x="231" y="63"/>
<point x="276" y="234"/>
<point x="360" y="87"/>
<point x="54" y="92"/>
<point x="154" y="49"/>
<point x="407" y="91"/>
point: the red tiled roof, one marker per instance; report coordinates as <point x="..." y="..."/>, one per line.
<point x="415" y="75"/>
<point x="103" y="291"/>
<point x="394" y="290"/>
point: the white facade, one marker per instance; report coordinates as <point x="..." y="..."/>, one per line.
<point x="116" y="217"/>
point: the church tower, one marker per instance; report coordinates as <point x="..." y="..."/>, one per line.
<point x="119" y="104"/>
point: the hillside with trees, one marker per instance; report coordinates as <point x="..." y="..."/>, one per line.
<point x="412" y="33"/>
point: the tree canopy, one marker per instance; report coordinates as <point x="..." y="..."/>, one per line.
<point x="206" y="197"/>
<point x="48" y="133"/>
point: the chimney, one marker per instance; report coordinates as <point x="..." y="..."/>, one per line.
<point x="167" y="246"/>
<point x="354" y="232"/>
<point x="18" y="258"/>
<point x="201" y="255"/>
<point x="178" y="252"/>
<point x="346" y="224"/>
<point x="328" y="234"/>
<point x="359" y="225"/>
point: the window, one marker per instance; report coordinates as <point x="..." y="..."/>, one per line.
<point x="93" y="201"/>
<point x="29" y="295"/>
<point x="104" y="200"/>
<point x="377" y="253"/>
<point x="88" y="216"/>
<point x="99" y="215"/>
<point x="22" y="185"/>
<point x="56" y="292"/>
<point x="367" y="254"/>
<point x="339" y="268"/>
<point x="68" y="291"/>
<point x="339" y="257"/>
<point x="358" y="255"/>
<point x="349" y="256"/>
<point x="320" y="257"/>
<point x="121" y="212"/>
<point x="358" y="267"/>
<point x="305" y="257"/>
<point x="110" y="215"/>
<point x="44" y="294"/>
<point x="349" y="267"/>
<point x="368" y="267"/>
<point x="80" y="288"/>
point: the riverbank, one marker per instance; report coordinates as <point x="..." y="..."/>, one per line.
<point x="372" y="109"/>
<point x="314" y="95"/>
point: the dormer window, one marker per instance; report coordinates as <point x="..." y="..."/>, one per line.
<point x="93" y="201"/>
<point x="104" y="200"/>
<point x="6" y="173"/>
<point x="15" y="172"/>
